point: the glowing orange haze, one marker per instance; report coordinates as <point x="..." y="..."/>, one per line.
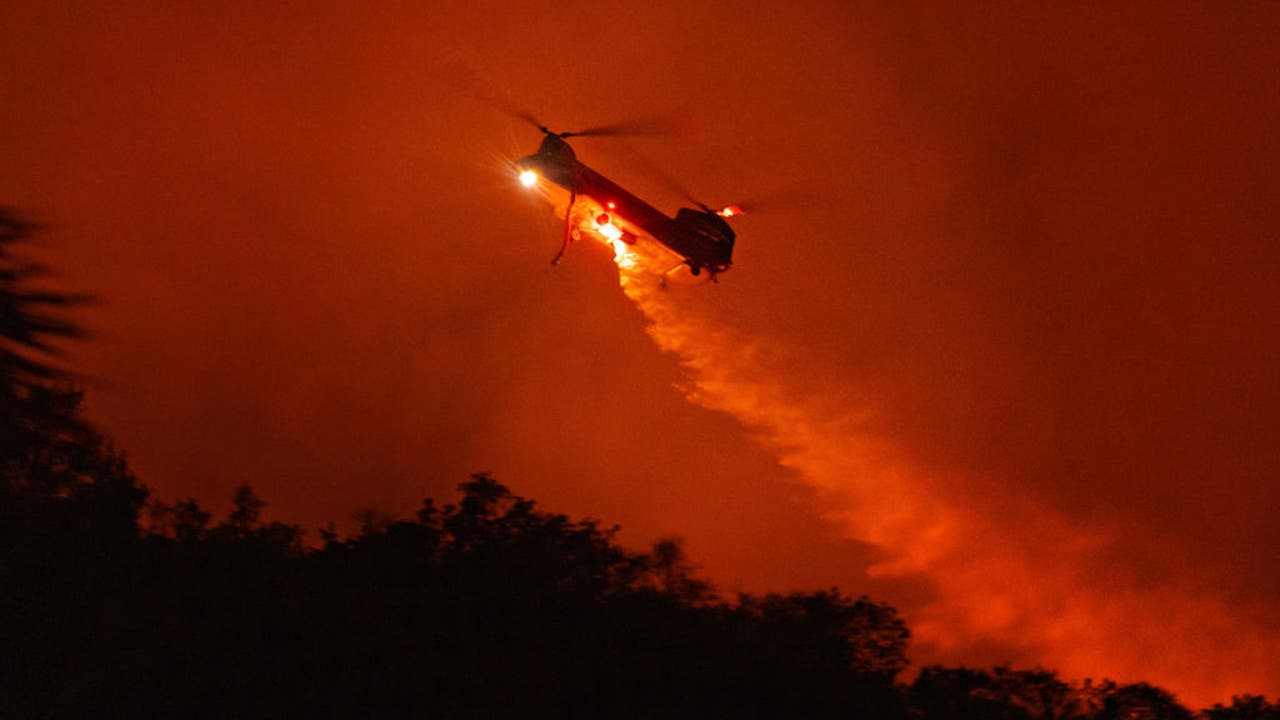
<point x="999" y="346"/>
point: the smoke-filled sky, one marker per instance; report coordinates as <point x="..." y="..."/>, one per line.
<point x="999" y="346"/>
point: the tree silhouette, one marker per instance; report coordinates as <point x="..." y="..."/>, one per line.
<point x="31" y="321"/>
<point x="1141" y="701"/>
<point x="184" y="521"/>
<point x="1037" y="692"/>
<point x="1244" y="707"/>
<point x="668" y="569"/>
<point x="47" y="451"/>
<point x="33" y="417"/>
<point x="961" y="694"/>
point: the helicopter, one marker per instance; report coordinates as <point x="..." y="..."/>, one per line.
<point x="700" y="237"/>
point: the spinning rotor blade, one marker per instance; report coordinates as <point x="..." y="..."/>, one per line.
<point x="663" y="177"/>
<point x="512" y="110"/>
<point x="784" y="199"/>
<point x="465" y="80"/>
<point x="468" y="82"/>
<point x="658" y="126"/>
<point x="675" y="186"/>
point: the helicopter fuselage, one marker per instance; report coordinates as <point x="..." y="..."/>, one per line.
<point x="701" y="238"/>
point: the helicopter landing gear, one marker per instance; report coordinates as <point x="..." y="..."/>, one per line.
<point x="570" y="233"/>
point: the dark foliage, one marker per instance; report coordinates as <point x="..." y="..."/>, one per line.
<point x="1244" y="707"/>
<point x="487" y="607"/>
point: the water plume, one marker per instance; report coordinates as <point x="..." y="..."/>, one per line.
<point x="1016" y="580"/>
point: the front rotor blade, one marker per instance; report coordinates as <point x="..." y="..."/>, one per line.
<point x="466" y="81"/>
<point x="509" y="108"/>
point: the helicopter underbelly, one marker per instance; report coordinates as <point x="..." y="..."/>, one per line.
<point x="590" y="217"/>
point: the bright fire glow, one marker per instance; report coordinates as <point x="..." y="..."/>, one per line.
<point x="623" y="255"/>
<point x="730" y="211"/>
<point x="528" y="178"/>
<point x="606" y="227"/>
<point x="610" y="231"/>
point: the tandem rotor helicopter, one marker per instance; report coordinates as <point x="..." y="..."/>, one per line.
<point x="700" y="237"/>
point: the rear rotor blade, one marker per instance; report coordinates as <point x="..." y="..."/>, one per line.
<point x="785" y="199"/>
<point x="675" y="125"/>
<point x="662" y="176"/>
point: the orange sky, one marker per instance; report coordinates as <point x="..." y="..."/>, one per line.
<point x="1001" y="351"/>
